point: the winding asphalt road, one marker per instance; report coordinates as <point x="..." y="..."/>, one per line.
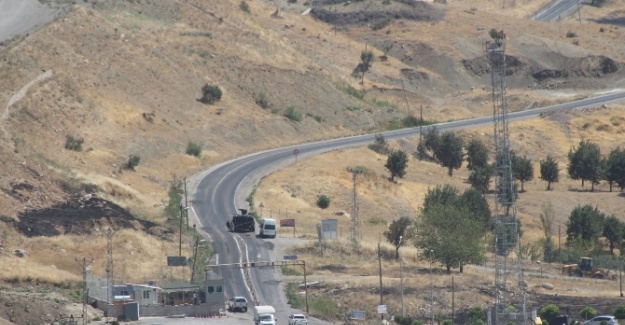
<point x="218" y="192"/>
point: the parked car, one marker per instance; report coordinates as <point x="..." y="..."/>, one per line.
<point x="237" y="304"/>
<point x="298" y="319"/>
<point x="610" y="320"/>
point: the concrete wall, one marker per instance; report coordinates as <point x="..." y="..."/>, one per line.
<point x="201" y="310"/>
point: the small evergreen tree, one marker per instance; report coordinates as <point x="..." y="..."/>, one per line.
<point x="323" y="201"/>
<point x="522" y="170"/>
<point x="549" y="171"/>
<point x="396" y="163"/>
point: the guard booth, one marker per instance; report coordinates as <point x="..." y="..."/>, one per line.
<point x="180" y="293"/>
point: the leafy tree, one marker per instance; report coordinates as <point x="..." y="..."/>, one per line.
<point x="549" y="312"/>
<point x="480" y="178"/>
<point x="613" y="231"/>
<point x="454" y="238"/>
<point x="323" y="201"/>
<point x="585" y="163"/>
<point x="619" y="312"/>
<point x="210" y="94"/>
<point x="615" y="168"/>
<point x="366" y="61"/>
<point x="585" y="223"/>
<point x="588" y="312"/>
<point x="432" y="140"/>
<point x="396" y="164"/>
<point x="397" y="233"/>
<point x="549" y="171"/>
<point x="453" y="226"/>
<point x="450" y="152"/>
<point x="380" y="145"/>
<point x="522" y="170"/>
<point x="477" y="155"/>
<point x="444" y="195"/>
<point x="477" y="204"/>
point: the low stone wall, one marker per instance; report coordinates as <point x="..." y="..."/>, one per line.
<point x="201" y="310"/>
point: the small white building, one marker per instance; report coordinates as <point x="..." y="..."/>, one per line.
<point x="146" y="295"/>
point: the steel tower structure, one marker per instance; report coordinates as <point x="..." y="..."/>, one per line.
<point x="506" y="232"/>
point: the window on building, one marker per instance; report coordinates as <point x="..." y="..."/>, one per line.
<point x="220" y="289"/>
<point x="146" y="295"/>
<point x="211" y="289"/>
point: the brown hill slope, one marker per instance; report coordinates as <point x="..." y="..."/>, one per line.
<point x="126" y="76"/>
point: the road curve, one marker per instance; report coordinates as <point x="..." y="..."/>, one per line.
<point x="18" y="17"/>
<point x="217" y="192"/>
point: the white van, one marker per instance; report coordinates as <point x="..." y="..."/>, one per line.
<point x="267" y="228"/>
<point x="264" y="315"/>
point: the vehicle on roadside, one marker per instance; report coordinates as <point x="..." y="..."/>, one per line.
<point x="597" y="320"/>
<point x="297" y="319"/>
<point x="237" y="303"/>
<point x="267" y="228"/>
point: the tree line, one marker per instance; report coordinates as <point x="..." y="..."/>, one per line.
<point x="454" y="225"/>
<point x="585" y="162"/>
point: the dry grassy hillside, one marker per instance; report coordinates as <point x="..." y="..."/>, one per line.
<point x="126" y="77"/>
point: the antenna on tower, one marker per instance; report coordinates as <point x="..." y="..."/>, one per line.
<point x="506" y="222"/>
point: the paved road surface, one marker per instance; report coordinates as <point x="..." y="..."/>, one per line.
<point x="556" y="10"/>
<point x="18" y="17"/>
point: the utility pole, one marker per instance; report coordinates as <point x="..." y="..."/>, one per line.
<point x="401" y="278"/>
<point x="186" y="202"/>
<point x="109" y="269"/>
<point x="453" y="301"/>
<point x="431" y="289"/>
<point x="355" y="222"/>
<point x="85" y="291"/>
<point x="380" y="268"/>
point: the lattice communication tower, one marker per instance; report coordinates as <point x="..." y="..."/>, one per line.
<point x="506" y="223"/>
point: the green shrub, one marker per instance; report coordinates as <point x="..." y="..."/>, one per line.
<point x="380" y="24"/>
<point x="72" y="143"/>
<point x="133" y="161"/>
<point x="476" y="313"/>
<point x="446" y="322"/>
<point x="549" y="312"/>
<point x="262" y="100"/>
<point x="619" y="312"/>
<point x="194" y="149"/>
<point x="352" y="108"/>
<point x="348" y="89"/>
<point x="323" y="201"/>
<point x="375" y="220"/>
<point x="245" y="7"/>
<point x="380" y="145"/>
<point x="293" y="114"/>
<point x="210" y="94"/>
<point x="588" y="312"/>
